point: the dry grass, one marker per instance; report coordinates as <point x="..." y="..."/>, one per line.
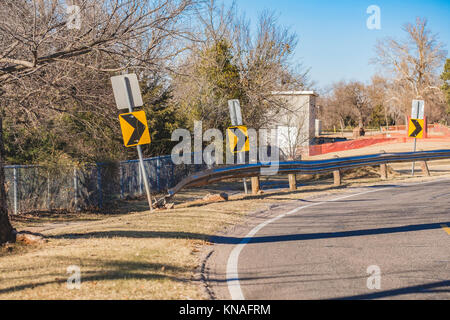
<point x="138" y="255"/>
<point x="134" y="256"/>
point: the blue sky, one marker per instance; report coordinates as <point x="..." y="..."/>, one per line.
<point x="333" y="38"/>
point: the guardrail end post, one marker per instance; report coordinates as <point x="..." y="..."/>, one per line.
<point x="255" y="185"/>
<point x="425" y="169"/>
<point x="292" y="182"/>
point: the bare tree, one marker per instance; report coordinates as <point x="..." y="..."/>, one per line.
<point x="34" y="34"/>
<point x="227" y="61"/>
<point x="413" y="63"/>
<point x="334" y="111"/>
<point x="378" y="91"/>
<point x="43" y="59"/>
<point x="6" y="230"/>
<point x="357" y="97"/>
<point x="349" y="100"/>
<point x="266" y="66"/>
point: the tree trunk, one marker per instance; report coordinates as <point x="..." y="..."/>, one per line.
<point x="360" y="120"/>
<point x="6" y="230"/>
<point x="341" y="122"/>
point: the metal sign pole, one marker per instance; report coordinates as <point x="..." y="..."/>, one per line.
<point x="413" y="164"/>
<point x="139" y="149"/>
<point x="241" y="155"/>
<point x="236" y="120"/>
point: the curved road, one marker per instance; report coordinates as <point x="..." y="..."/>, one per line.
<point x="322" y="248"/>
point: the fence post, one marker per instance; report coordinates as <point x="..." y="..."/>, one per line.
<point x="158" y="170"/>
<point x="292" y="182"/>
<point x="15" y="190"/>
<point x="140" y="182"/>
<point x="121" y="180"/>
<point x="255" y="185"/>
<point x="48" y="192"/>
<point x="75" y="187"/>
<point x="425" y="169"/>
<point x="168" y="177"/>
<point x="99" y="186"/>
<point x="337" y="178"/>
<point x="424" y="166"/>
<point x="172" y="175"/>
<point x="383" y="169"/>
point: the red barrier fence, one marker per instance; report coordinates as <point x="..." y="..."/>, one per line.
<point x="440" y="129"/>
<point x="346" y="145"/>
<point x="434" y="131"/>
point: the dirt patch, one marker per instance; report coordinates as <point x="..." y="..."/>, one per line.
<point x="367" y="172"/>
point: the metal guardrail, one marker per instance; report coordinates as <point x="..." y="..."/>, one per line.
<point x="303" y="167"/>
<point x="33" y="188"/>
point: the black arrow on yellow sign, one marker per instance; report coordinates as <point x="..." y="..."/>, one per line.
<point x="238" y="137"/>
<point x="138" y="126"/>
<point x="418" y="128"/>
<point x="415" y="131"/>
<point x="134" y="128"/>
<point x="241" y="139"/>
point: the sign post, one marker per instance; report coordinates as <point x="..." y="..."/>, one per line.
<point x="416" y="124"/>
<point x="128" y="95"/>
<point x="234" y="107"/>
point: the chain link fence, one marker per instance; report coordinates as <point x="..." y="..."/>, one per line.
<point x="90" y="187"/>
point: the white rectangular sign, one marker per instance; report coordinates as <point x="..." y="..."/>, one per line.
<point x="123" y="86"/>
<point x="418" y="109"/>
<point x="235" y="112"/>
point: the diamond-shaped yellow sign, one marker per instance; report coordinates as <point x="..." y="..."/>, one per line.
<point x="238" y="139"/>
<point x="134" y="128"/>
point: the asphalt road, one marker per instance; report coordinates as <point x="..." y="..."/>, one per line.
<point x="322" y="248"/>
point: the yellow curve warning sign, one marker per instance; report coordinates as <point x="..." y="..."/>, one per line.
<point x="134" y="128"/>
<point x="415" y="128"/>
<point x="238" y="139"/>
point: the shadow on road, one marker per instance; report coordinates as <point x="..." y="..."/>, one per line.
<point x="236" y="240"/>
<point x="328" y="235"/>
<point x="423" y="288"/>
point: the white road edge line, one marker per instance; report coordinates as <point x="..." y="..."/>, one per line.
<point x="232" y="275"/>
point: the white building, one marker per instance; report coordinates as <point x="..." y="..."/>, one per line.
<point x="296" y="123"/>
